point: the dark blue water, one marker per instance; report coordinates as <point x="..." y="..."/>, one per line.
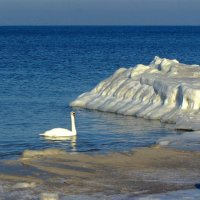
<point x="42" y="69"/>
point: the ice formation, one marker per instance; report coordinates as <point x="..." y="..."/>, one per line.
<point x="185" y="141"/>
<point x="165" y="90"/>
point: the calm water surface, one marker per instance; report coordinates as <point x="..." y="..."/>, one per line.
<point x="42" y="69"/>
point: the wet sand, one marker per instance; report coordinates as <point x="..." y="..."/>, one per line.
<point x="144" y="171"/>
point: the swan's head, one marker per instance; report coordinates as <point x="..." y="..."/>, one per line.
<point x="73" y="113"/>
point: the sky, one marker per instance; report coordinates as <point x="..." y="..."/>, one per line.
<point x="99" y="12"/>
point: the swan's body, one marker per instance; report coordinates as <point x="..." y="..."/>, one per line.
<point x="62" y="132"/>
<point x="58" y="132"/>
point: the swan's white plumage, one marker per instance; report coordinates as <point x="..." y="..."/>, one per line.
<point x="58" y="132"/>
<point x="62" y="132"/>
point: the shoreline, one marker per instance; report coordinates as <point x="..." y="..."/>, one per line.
<point x="144" y="171"/>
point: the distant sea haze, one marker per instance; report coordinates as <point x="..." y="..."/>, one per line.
<point x="43" y="68"/>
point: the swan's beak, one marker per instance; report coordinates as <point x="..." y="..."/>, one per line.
<point x="74" y="114"/>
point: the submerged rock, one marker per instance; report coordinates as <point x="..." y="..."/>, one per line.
<point x="165" y="90"/>
<point x="24" y="185"/>
<point x="49" y="196"/>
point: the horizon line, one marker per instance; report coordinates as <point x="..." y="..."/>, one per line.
<point x="141" y="25"/>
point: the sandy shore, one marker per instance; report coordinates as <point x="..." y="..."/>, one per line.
<point x="144" y="171"/>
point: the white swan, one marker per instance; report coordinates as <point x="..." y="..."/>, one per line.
<point x="62" y="132"/>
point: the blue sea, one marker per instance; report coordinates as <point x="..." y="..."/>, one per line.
<point x="42" y="69"/>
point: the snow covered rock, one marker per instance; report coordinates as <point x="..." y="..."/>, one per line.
<point x="165" y="90"/>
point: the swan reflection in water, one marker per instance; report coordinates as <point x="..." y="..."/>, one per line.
<point x="71" y="139"/>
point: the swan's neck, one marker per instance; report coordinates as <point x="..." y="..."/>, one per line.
<point x="73" y="126"/>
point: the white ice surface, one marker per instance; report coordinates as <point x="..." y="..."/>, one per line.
<point x="192" y="194"/>
<point x="8" y="193"/>
<point x="165" y="89"/>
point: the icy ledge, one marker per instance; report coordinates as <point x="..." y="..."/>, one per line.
<point x="165" y="90"/>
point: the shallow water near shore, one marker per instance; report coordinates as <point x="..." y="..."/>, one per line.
<point x="133" y="175"/>
<point x="98" y="133"/>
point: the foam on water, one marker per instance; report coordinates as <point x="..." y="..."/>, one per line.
<point x="165" y="89"/>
